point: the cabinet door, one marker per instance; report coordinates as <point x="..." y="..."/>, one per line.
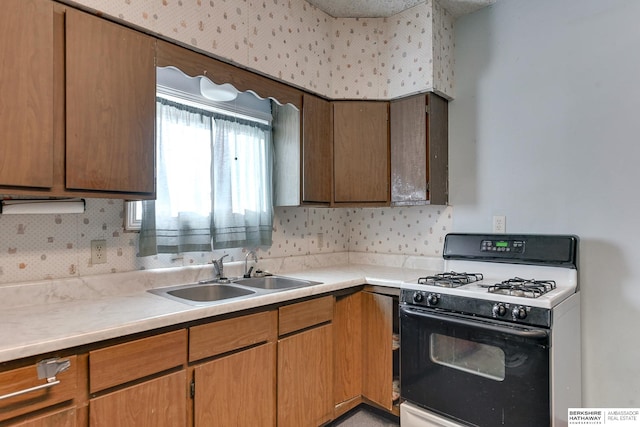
<point x="361" y="152"/>
<point x="26" y="84"/>
<point x="347" y="332"/>
<point x="110" y="102"/>
<point x="409" y="160"/>
<point x="159" y="403"/>
<point x="305" y="373"/>
<point x="419" y="150"/>
<point x="317" y="150"/>
<point x="237" y="390"/>
<point x="438" y="134"/>
<point x="377" y="330"/>
<point x="64" y="418"/>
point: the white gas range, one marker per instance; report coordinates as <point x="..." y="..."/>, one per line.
<point x="495" y="337"/>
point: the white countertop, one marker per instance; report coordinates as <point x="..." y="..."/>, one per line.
<point x="64" y="321"/>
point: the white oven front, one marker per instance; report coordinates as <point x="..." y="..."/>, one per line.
<point x="414" y="416"/>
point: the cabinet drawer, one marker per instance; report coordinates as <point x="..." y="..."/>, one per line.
<point x="305" y="314"/>
<point x="231" y="334"/>
<point x="27" y="377"/>
<point x="112" y="366"/>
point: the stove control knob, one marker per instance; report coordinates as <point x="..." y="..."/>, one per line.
<point x="418" y="297"/>
<point x="499" y="310"/>
<point x="432" y="299"/>
<point x="519" y="313"/>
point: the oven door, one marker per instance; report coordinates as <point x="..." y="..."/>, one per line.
<point x="475" y="371"/>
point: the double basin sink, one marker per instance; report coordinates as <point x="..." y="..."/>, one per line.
<point x="213" y="291"/>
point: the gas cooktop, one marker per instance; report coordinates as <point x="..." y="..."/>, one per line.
<point x="535" y="270"/>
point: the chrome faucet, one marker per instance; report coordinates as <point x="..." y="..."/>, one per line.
<point x="247" y="272"/>
<point x="219" y="267"/>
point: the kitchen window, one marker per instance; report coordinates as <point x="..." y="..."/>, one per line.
<point x="214" y="184"/>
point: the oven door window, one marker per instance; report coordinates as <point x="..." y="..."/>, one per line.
<point x="479" y="372"/>
<point x="485" y="360"/>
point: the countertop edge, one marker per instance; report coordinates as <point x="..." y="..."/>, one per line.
<point x="45" y="329"/>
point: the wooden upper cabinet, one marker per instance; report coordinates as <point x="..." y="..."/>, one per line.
<point x="419" y="150"/>
<point x="26" y="84"/>
<point x="317" y="150"/>
<point x="110" y="104"/>
<point x="361" y="152"/>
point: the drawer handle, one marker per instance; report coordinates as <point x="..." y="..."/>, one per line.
<point x="48" y="369"/>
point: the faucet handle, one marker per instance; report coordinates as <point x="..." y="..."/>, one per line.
<point x="219" y="266"/>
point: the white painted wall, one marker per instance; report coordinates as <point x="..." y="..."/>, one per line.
<point x="545" y="129"/>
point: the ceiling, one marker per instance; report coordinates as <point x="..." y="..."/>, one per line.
<point x="386" y="8"/>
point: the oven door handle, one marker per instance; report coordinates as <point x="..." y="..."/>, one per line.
<point x="528" y="333"/>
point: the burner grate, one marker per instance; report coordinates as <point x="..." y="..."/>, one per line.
<point x="450" y="279"/>
<point x="527" y="288"/>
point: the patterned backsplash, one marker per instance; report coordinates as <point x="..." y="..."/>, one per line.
<point x="35" y="247"/>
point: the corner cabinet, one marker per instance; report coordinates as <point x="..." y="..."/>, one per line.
<point x="380" y="360"/>
<point x="367" y="362"/>
<point x="361" y="153"/>
<point x="347" y="352"/>
<point x="419" y="150"/>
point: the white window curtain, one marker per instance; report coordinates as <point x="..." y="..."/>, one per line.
<point x="213" y="183"/>
<point x="242" y="184"/>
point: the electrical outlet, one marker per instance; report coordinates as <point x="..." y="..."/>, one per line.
<point x="499" y="224"/>
<point x="98" y="251"/>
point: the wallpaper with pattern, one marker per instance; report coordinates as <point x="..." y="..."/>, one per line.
<point x="35" y="247"/>
<point x="367" y="58"/>
<point x="297" y="43"/>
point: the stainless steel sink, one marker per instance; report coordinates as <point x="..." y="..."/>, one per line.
<point x="213" y="292"/>
<point x="203" y="294"/>
<point x="274" y="282"/>
<point x="210" y="292"/>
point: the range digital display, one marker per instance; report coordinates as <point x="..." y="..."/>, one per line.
<point x="511" y="246"/>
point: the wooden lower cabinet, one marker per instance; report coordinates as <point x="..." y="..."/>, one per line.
<point x="377" y="362"/>
<point x="64" y="418"/>
<point x="160" y="402"/>
<point x="237" y="390"/>
<point x="347" y="351"/>
<point x="305" y="374"/>
<point x="22" y="407"/>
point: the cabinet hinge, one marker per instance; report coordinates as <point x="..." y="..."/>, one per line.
<point x="192" y="389"/>
<point x="427" y="109"/>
